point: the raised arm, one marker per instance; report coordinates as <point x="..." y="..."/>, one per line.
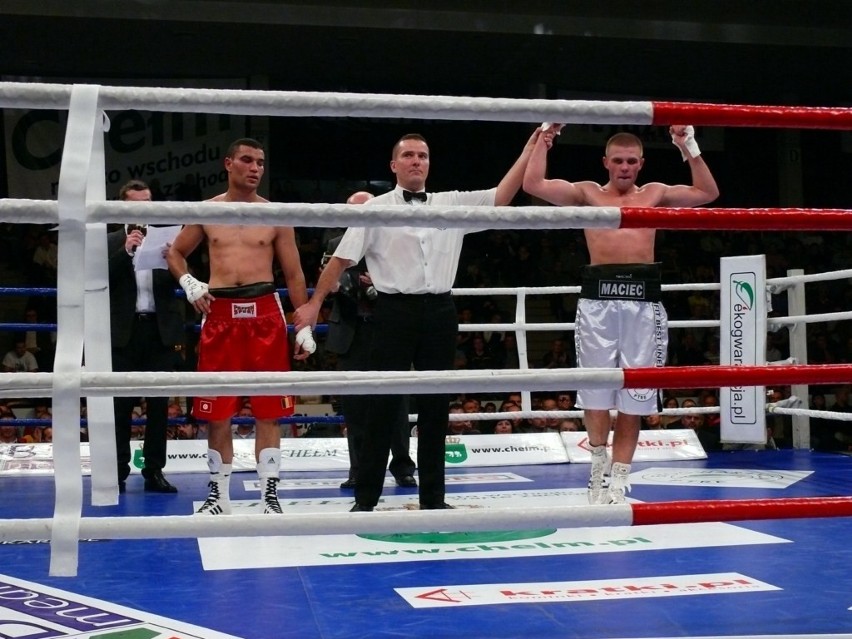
<point x="511" y="182"/>
<point x="703" y="189"/>
<point x="560" y="192"/>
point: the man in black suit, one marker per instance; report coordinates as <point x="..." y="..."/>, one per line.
<point x="350" y="331"/>
<point x="146" y="323"/>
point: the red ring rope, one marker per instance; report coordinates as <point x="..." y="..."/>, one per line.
<point x="790" y="117"/>
<point x="737" y="219"/>
<point x="682" y="512"/>
<point x="729" y="376"/>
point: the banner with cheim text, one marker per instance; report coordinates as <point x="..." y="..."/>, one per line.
<point x="742" y="342"/>
<point x="332" y="453"/>
<point x="180" y="155"/>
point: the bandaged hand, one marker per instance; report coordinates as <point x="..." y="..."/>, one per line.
<point x="549" y="131"/>
<point x="305" y="339"/>
<point x="683" y="137"/>
<point x="194" y="289"/>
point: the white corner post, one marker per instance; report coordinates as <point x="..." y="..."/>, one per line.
<point x="799" y="353"/>
<point x="84" y="118"/>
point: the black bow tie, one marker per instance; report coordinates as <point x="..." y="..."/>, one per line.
<point x="410" y="195"/>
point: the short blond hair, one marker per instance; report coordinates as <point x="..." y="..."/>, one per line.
<point x="624" y="139"/>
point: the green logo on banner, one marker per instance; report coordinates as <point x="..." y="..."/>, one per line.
<point x="461" y="537"/>
<point x="138" y="458"/>
<point x="454" y="452"/>
<point x="746" y="293"/>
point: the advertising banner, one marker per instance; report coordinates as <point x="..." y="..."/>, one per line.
<point x="332" y="453"/>
<point x="743" y="343"/>
<point x="180" y="155"/>
<point x="654" y="445"/>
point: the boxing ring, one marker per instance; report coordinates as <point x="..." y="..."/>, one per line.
<point x="82" y="213"/>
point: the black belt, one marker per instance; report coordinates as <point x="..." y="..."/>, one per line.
<point x="244" y="292"/>
<point x="146" y="316"/>
<point x="638" y="282"/>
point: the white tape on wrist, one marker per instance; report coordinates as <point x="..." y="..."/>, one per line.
<point x="194" y="289"/>
<point x="305" y="339"/>
<point x="692" y="150"/>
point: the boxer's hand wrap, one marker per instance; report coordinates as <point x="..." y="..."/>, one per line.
<point x="194" y="289"/>
<point x="689" y="143"/>
<point x="305" y="339"/>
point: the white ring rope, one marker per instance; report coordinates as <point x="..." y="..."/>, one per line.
<point x="780" y="284"/>
<point x="315" y="104"/>
<point x="809" y="412"/>
<point x="333" y="215"/>
<point x="568" y="414"/>
<point x="164" y="384"/>
<point x="787" y="406"/>
<point x="459" y="520"/>
<point x="791" y="320"/>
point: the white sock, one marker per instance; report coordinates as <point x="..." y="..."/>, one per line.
<point x="269" y="463"/>
<point x="621" y="471"/>
<point x="219" y="471"/>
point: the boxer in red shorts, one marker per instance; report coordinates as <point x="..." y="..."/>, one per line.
<point x="243" y="327"/>
<point x="245" y="330"/>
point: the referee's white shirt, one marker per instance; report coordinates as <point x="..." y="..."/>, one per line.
<point x="409" y="259"/>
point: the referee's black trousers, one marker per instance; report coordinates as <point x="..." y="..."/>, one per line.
<point x="418" y="331"/>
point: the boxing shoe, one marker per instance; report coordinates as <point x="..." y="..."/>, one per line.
<point x="619" y="485"/>
<point x="270" y="497"/>
<point x="596" y="475"/>
<point x="217" y="502"/>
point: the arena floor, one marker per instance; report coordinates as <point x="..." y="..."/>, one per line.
<point x="779" y="578"/>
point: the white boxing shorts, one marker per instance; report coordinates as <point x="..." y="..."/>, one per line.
<point x="621" y="324"/>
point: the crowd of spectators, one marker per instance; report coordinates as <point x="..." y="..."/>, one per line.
<point x="532" y="258"/>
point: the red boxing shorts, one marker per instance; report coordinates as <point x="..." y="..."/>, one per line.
<point x="244" y="334"/>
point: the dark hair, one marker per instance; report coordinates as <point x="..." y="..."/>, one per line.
<point x="407" y="136"/>
<point x="232" y="149"/>
<point x="132" y="185"/>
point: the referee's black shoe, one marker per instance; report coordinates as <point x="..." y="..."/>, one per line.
<point x="406" y="481"/>
<point x="156" y="483"/>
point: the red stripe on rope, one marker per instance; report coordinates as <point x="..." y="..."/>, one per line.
<point x="682" y="512"/>
<point x="727" y="376"/>
<point x="789" y="117"/>
<point x="737" y="219"/>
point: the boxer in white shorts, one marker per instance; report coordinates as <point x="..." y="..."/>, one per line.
<point x="616" y="327"/>
<point x="621" y="324"/>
